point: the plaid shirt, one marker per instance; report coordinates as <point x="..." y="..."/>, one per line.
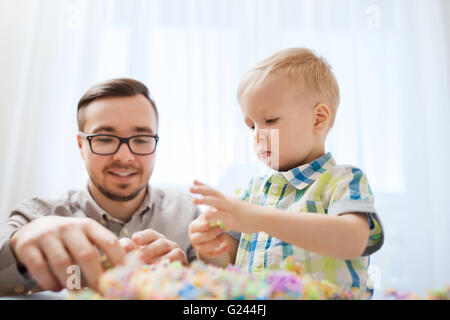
<point x="319" y="187"/>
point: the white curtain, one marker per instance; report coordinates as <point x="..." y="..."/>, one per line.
<point x="391" y="59"/>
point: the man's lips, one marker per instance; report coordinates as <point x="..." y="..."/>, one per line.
<point x="122" y="176"/>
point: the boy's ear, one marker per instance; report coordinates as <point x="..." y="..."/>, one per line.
<point x="322" y="117"/>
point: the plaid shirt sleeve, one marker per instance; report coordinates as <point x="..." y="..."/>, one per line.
<point x="351" y="192"/>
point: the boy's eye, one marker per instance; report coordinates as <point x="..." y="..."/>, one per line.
<point x="269" y="121"/>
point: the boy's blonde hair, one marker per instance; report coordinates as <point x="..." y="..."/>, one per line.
<point x="311" y="72"/>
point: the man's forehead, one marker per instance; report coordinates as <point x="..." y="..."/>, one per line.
<point x="118" y="115"/>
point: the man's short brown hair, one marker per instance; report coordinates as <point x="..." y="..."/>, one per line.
<point x="123" y="87"/>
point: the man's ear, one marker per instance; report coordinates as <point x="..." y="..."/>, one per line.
<point x="322" y="117"/>
<point x="80" y="145"/>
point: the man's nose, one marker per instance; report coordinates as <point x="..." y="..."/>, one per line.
<point x="124" y="154"/>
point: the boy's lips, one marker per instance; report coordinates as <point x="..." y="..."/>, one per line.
<point x="264" y="154"/>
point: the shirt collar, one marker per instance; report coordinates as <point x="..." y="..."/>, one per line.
<point x="93" y="210"/>
<point x="302" y="176"/>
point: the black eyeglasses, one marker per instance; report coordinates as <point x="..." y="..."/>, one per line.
<point x="107" y="144"/>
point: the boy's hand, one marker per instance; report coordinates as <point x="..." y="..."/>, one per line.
<point x="235" y="214"/>
<point x="209" y="242"/>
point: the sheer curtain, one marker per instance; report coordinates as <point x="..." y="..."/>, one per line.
<point x="391" y="59"/>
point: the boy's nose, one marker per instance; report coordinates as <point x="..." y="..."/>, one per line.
<point x="124" y="154"/>
<point x="260" y="135"/>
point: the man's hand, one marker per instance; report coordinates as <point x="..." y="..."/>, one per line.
<point x="47" y="246"/>
<point x="235" y="214"/>
<point x="154" y="247"/>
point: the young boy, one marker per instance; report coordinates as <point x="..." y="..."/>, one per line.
<point x="308" y="207"/>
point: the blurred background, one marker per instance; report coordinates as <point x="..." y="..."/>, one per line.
<point x="391" y="59"/>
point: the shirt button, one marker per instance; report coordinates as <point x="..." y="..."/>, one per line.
<point x="274" y="188"/>
<point x="125" y="231"/>
<point x="19" y="289"/>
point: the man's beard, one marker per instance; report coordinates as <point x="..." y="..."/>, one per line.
<point x="114" y="196"/>
<point x="117" y="197"/>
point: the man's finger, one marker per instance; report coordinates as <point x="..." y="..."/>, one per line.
<point x="85" y="255"/>
<point x="57" y="256"/>
<point x="106" y="241"/>
<point x="173" y="255"/>
<point x="36" y="265"/>
<point x="157" y="249"/>
<point x="146" y="237"/>
<point x="128" y="244"/>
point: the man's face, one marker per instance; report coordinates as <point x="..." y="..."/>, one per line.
<point x="123" y="175"/>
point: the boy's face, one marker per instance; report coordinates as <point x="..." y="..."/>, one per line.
<point x="277" y="110"/>
<point x="122" y="117"/>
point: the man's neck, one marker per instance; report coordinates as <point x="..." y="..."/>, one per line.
<point x="122" y="210"/>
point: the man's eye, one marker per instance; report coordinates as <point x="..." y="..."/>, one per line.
<point x="105" y="140"/>
<point x="270" y="121"/>
<point x="142" y="141"/>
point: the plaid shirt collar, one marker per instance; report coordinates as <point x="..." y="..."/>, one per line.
<point x="302" y="176"/>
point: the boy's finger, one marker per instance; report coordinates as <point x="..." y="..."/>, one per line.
<point x="211" y="245"/>
<point x="212" y="216"/>
<point x="210" y="201"/>
<point x="198" y="183"/>
<point x="219" y="251"/>
<point x="199" y="225"/>
<point x="206" y="191"/>
<point x="202" y="237"/>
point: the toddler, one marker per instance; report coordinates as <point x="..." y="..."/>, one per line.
<point x="308" y="207"/>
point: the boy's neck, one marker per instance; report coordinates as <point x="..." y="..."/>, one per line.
<point x="313" y="155"/>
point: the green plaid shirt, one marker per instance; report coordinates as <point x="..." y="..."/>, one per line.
<point x="319" y="187"/>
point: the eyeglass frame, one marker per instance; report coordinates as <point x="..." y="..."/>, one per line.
<point x="89" y="138"/>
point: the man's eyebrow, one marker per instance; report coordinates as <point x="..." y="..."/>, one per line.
<point x="112" y="129"/>
<point x="143" y="129"/>
<point x="104" y="128"/>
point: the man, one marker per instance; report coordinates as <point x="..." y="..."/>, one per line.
<point x="42" y="239"/>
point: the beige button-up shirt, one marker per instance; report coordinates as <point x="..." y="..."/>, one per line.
<point x="166" y="211"/>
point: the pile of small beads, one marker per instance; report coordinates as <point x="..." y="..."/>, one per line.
<point x="435" y="294"/>
<point x="172" y="280"/>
